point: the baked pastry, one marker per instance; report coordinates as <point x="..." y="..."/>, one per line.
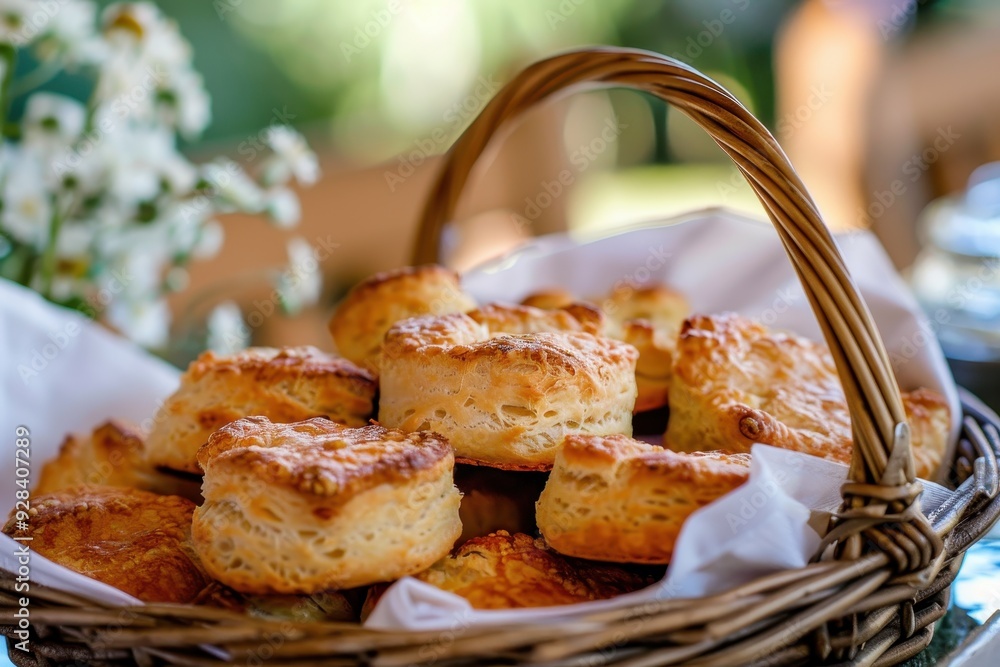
<point x="930" y="426"/>
<point x="505" y="401"/>
<point x="648" y="318"/>
<point x="113" y="454"/>
<point x="504" y="571"/>
<point x="618" y="499"/>
<point x="736" y="383"/>
<point x="375" y="304"/>
<point x="283" y="385"/>
<point x="314" y="505"/>
<point x="550" y="299"/>
<point x="509" y="319"/>
<point x="136" y="541"/>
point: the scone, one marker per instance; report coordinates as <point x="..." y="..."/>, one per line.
<point x="375" y="304"/>
<point x="136" y="541"/>
<point x="505" y="401"/>
<point x="310" y="506"/>
<point x="621" y="500"/>
<point x="504" y="571"/>
<point x="112" y="455"/>
<point x="736" y="383"/>
<point x="510" y="319"/>
<point x="549" y="299"/>
<point x="648" y="318"/>
<point x="285" y="385"/>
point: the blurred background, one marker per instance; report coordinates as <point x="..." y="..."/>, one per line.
<point x="883" y="106"/>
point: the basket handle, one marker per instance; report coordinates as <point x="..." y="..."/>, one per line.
<point x="880" y="497"/>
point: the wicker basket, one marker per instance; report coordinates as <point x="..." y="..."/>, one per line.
<point x="870" y="597"/>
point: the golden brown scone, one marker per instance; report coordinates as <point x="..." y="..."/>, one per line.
<point x="504" y="571"/>
<point x="550" y="299"/>
<point x="311" y="506"/>
<point x="648" y="318"/>
<point x="283" y="385"/>
<point x="136" y="541"/>
<point x="112" y="455"/>
<point x="622" y="500"/>
<point x="508" y="319"/>
<point x="374" y="305"/>
<point x="506" y="401"/>
<point x="930" y="424"/>
<point x="736" y="383"/>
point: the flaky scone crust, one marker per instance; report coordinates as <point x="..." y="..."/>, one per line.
<point x="618" y="499"/>
<point x="313" y="506"/>
<point x="646" y="317"/>
<point x="136" y="541"/>
<point x="504" y="401"/>
<point x="375" y="304"/>
<point x="285" y="385"/>
<point x="736" y="383"/>
<point x="112" y="455"/>
<point x="322" y="459"/>
<point x="504" y="571"/>
<point x="514" y="319"/>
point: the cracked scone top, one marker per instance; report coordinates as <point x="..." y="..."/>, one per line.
<point x="505" y="401"/>
<point x="314" y="505"/>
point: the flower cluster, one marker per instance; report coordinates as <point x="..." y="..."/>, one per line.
<point x="98" y="208"/>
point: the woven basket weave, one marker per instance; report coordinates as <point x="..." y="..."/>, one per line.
<point x="870" y="597"/>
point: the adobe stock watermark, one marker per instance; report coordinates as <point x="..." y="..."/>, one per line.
<point x="903" y="14"/>
<point x="956" y="300"/>
<point x="35" y="22"/>
<point x="120" y="109"/>
<point x="794" y="120"/>
<point x="580" y="158"/>
<point x="752" y="505"/>
<point x="695" y="45"/>
<point x="912" y="170"/>
<point x="454" y="117"/>
<point x="263" y="309"/>
<point x="248" y="149"/>
<point x="365" y="34"/>
<point x="563" y="11"/>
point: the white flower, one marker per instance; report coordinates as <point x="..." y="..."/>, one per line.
<point x="139" y="30"/>
<point x="302" y="283"/>
<point x="72" y="35"/>
<point x="232" y="188"/>
<point x="227" y="334"/>
<point x="15" y="23"/>
<point x="283" y="207"/>
<point x="292" y="157"/>
<point x="27" y="210"/>
<point x="191" y="110"/>
<point x="139" y="159"/>
<point x="74" y="240"/>
<point x="145" y="320"/>
<point x="52" y="122"/>
<point x="209" y="241"/>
